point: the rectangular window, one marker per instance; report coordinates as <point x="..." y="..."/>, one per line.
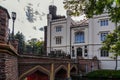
<point x="104" y="22"/>
<point x="58" y="28"/>
<point x="103" y="36"/>
<point x="58" y="51"/>
<point x="58" y="40"/>
<point x="79" y="37"/>
<point x="104" y="53"/>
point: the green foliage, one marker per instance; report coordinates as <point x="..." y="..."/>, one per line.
<point x="97" y="7"/>
<point x="21" y="42"/>
<point x="104" y="74"/>
<point x="94" y="7"/>
<point x="35" y="47"/>
<point x="112" y="42"/>
<point x="76" y="6"/>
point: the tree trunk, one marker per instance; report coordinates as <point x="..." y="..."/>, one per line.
<point x="116" y="61"/>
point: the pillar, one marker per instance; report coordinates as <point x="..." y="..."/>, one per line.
<point x="52" y="72"/>
<point x="68" y="72"/>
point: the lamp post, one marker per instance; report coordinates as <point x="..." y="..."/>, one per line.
<point x="13" y="18"/>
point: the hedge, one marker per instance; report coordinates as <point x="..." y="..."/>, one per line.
<point x="104" y="74"/>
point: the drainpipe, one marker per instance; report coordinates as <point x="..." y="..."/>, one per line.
<point x="50" y="36"/>
<point x="70" y="42"/>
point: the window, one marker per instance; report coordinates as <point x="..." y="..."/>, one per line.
<point x="79" y="51"/>
<point x="58" y="28"/>
<point x="79" y="37"/>
<point x="104" y="22"/>
<point x="73" y="51"/>
<point x="85" y="51"/>
<point x="104" y="53"/>
<point x="103" y="36"/>
<point x="58" y="51"/>
<point x="58" y="40"/>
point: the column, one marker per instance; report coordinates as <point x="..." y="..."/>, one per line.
<point x="68" y="72"/>
<point x="52" y="72"/>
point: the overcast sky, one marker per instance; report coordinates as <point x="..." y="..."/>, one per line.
<point x="31" y="30"/>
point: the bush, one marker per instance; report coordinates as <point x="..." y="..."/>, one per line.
<point x="104" y="74"/>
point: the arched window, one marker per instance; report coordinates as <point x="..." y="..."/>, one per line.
<point x="79" y="37"/>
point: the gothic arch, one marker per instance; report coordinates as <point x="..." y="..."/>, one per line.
<point x="34" y="69"/>
<point x="73" y="66"/>
<point x="73" y="69"/>
<point x="60" y="67"/>
<point x="61" y="73"/>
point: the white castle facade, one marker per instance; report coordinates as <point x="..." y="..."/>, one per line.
<point x="80" y="39"/>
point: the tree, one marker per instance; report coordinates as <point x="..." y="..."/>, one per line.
<point x="40" y="47"/>
<point x="96" y="7"/>
<point x="112" y="44"/>
<point x="35" y="47"/>
<point x="21" y="42"/>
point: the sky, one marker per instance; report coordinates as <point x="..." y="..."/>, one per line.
<point x="31" y="30"/>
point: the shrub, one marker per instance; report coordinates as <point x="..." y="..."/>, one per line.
<point x="104" y="74"/>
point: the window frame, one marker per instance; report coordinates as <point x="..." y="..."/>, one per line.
<point x="104" y="53"/>
<point x="79" y="37"/>
<point x="104" y="22"/>
<point x="103" y="36"/>
<point x="58" y="28"/>
<point x="58" y="40"/>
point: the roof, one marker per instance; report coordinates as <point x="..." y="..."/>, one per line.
<point x="5" y="11"/>
<point x="82" y="22"/>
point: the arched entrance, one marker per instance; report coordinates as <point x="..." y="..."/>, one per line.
<point x="61" y="74"/>
<point x="36" y="73"/>
<point x="37" y="76"/>
<point x="79" y="52"/>
<point x="73" y="73"/>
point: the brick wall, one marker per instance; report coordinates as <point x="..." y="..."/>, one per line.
<point x="4" y="18"/>
<point x="88" y="65"/>
<point x="11" y="67"/>
<point x="2" y="67"/>
<point x="8" y="67"/>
